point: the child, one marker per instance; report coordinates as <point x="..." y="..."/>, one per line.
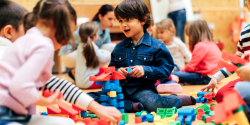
<point x="148" y="57"/>
<point x="205" y="55"/>
<point x="151" y="27"/>
<point x="15" y="108"/>
<point x="89" y="56"/>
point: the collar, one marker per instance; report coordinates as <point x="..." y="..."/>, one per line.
<point x="5" y="42"/>
<point x="100" y="29"/>
<point x="146" y="40"/>
<point x="35" y="30"/>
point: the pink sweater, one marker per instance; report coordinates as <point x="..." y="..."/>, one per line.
<point x="25" y="67"/>
<point x="205" y="58"/>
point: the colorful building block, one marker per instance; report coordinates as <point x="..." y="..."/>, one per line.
<point x="53" y="110"/>
<point x="44" y="113"/>
<point x="144" y="118"/>
<point x="188" y="113"/>
<point x="150" y="118"/>
<point x="47" y="93"/>
<point x="175" y="123"/>
<point x="113" y="94"/>
<point x="144" y="113"/>
<point x="153" y="113"/>
<point x="83" y="113"/>
<point x="204" y="107"/>
<point x="125" y="117"/>
<point x="157" y="118"/>
<point x="138" y="120"/>
<point x="137" y="114"/>
<point x="193" y="94"/>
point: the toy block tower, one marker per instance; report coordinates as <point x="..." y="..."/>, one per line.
<point x="112" y="91"/>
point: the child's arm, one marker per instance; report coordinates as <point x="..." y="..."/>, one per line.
<point x="184" y="51"/>
<point x="101" y="57"/>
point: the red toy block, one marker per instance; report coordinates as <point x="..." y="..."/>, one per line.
<point x="209" y="120"/>
<point x="230" y="67"/>
<point x="53" y="110"/>
<point x="86" y="120"/>
<point x="93" y="123"/>
<point x="138" y="120"/>
<point x="212" y="107"/>
<point x="226" y="56"/>
<point x="109" y="69"/>
<point x="176" y="118"/>
<point x="95" y="119"/>
<point x="66" y="109"/>
<point x="103" y="77"/>
<point x="92" y="78"/>
<point x="209" y="96"/>
<point x="103" y="122"/>
<point x="47" y="93"/>
<point x="117" y="76"/>
<point x="230" y="105"/>
<point x="77" y="108"/>
<point x="79" y="120"/>
<point x="234" y="58"/>
<point x="200" y="112"/>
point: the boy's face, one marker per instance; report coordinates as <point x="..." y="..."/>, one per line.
<point x="164" y="34"/>
<point x="131" y="26"/>
<point x="11" y="33"/>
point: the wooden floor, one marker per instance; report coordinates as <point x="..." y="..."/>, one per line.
<point x="186" y="90"/>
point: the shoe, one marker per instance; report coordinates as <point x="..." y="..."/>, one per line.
<point x="169" y="88"/>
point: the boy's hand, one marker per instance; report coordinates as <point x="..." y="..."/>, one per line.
<point x="212" y="84"/>
<point x="109" y="113"/>
<point x="137" y="72"/>
<point x="123" y="71"/>
<point x="175" y="78"/>
<point x="244" y="72"/>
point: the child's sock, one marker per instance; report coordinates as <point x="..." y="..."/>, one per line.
<point x="71" y="75"/>
<point x="187" y="100"/>
<point x="137" y="107"/>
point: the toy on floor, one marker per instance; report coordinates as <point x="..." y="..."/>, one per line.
<point x="47" y="93"/>
<point x="188" y="113"/>
<point x="112" y="92"/>
<point x="230" y="110"/>
<point x="204" y="97"/>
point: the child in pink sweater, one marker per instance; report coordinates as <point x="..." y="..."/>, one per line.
<point x="21" y="77"/>
<point x="205" y="55"/>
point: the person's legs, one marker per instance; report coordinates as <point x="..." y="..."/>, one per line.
<point x="69" y="60"/>
<point x="192" y="78"/>
<point x="50" y="120"/>
<point x="226" y="88"/>
<point x="243" y="89"/>
<point x="109" y="46"/>
<point x="180" y="23"/>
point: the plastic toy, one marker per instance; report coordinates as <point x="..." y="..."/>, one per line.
<point x="203" y="97"/>
<point x="166" y="112"/>
<point x="138" y="120"/>
<point x="125" y="117"/>
<point x="47" y="93"/>
<point x="150" y="118"/>
<point x="144" y="118"/>
<point x="122" y="122"/>
<point x="204" y="107"/>
<point x="188" y="113"/>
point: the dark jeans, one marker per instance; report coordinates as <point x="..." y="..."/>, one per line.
<point x="149" y="98"/>
<point x="192" y="78"/>
<point x="179" y="19"/>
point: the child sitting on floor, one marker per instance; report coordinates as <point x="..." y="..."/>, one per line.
<point x="89" y="56"/>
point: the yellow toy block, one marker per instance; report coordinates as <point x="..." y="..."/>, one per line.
<point x="194" y="94"/>
<point x="144" y="113"/>
<point x="157" y="123"/>
<point x="59" y="115"/>
<point x="153" y="113"/>
<point x="80" y="123"/>
<point x="239" y="118"/>
<point x="157" y="118"/>
<point x="108" y="93"/>
<point x="112" y="94"/>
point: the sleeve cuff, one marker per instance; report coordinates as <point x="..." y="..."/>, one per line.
<point x="83" y="101"/>
<point x="147" y="72"/>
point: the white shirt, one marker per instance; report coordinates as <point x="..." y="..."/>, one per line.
<point x="175" y="5"/>
<point x="179" y="52"/>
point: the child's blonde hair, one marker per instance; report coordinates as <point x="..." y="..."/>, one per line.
<point x="167" y="24"/>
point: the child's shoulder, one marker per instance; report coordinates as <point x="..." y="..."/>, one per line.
<point x="156" y="42"/>
<point x="245" y="30"/>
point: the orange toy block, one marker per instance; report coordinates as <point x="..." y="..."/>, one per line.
<point x="47" y="93"/>
<point x="66" y="109"/>
<point x="77" y="108"/>
<point x="109" y="69"/>
<point x="117" y="76"/>
<point x="103" y="122"/>
<point x="230" y="67"/>
<point x="234" y="58"/>
<point x="53" y="110"/>
<point x="103" y="77"/>
<point x="92" y="78"/>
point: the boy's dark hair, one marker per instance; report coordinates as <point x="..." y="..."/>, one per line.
<point x="59" y="11"/>
<point x="103" y="11"/>
<point x="134" y="9"/>
<point x="11" y="14"/>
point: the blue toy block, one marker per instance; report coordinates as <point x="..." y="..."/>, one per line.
<point x="112" y="87"/>
<point x="129" y="70"/>
<point x="122" y="110"/>
<point x="120" y="104"/>
<point x="122" y="122"/>
<point x="119" y="96"/>
<point x="113" y="102"/>
<point x="104" y="98"/>
<point x="44" y="113"/>
<point x="144" y="118"/>
<point x="119" y="90"/>
<point x="100" y="82"/>
<point x="83" y="113"/>
<point x="203" y="100"/>
<point x="116" y="82"/>
<point x="105" y="90"/>
<point x="188" y="113"/>
<point x="104" y="104"/>
<point x="106" y="85"/>
<point x="198" y="100"/>
<point x="150" y="118"/>
<point x="201" y="94"/>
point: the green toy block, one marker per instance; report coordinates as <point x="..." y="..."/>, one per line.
<point x="144" y="111"/>
<point x="212" y="121"/>
<point x="92" y="116"/>
<point x="239" y="65"/>
<point x="137" y="114"/>
<point x="160" y="111"/>
<point x="125" y="117"/>
<point x="204" y="117"/>
<point x="239" y="109"/>
<point x="162" y="116"/>
<point x="208" y="111"/>
<point x="204" y="107"/>
<point x="175" y="123"/>
<point x="211" y="113"/>
<point x="211" y="104"/>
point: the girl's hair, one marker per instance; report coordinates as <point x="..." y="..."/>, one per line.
<point x="86" y="32"/>
<point x="59" y="11"/>
<point x="103" y="11"/>
<point x="134" y="9"/>
<point x="198" y="31"/>
<point x="167" y="24"/>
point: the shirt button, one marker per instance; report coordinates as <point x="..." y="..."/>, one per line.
<point x="146" y="77"/>
<point x="133" y="48"/>
<point x="145" y="58"/>
<point x="120" y="58"/>
<point x="125" y="80"/>
<point x="131" y="60"/>
<point x="131" y="41"/>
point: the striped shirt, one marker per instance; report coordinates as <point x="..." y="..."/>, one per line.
<point x="242" y="47"/>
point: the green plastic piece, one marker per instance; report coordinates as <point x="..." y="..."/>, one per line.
<point x="212" y="104"/>
<point x="125" y="117"/>
<point x="92" y="116"/>
<point x="137" y="114"/>
<point x="239" y="109"/>
<point x="212" y="121"/>
<point x="239" y="65"/>
<point x="207" y="112"/>
<point x="175" y="123"/>
<point x="162" y="116"/>
<point x="204" y="117"/>
<point x="204" y="107"/>
<point x="144" y="111"/>
<point x="211" y="113"/>
<point x="160" y="111"/>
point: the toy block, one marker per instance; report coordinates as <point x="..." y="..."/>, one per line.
<point x="103" y="122"/>
<point x="53" y="110"/>
<point x="203" y="100"/>
<point x="144" y="118"/>
<point x="198" y="100"/>
<point x="44" y="113"/>
<point x="125" y="117"/>
<point x="122" y="110"/>
<point x="150" y="118"/>
<point x="105" y="104"/>
<point x="212" y="107"/>
<point x="120" y="104"/>
<point x="144" y="111"/>
<point x="109" y="69"/>
<point x="194" y="94"/>
<point x="138" y="120"/>
<point x="95" y="119"/>
<point x="112" y="87"/>
<point x="129" y="70"/>
<point x="119" y="89"/>
<point x="161" y="111"/>
<point x="137" y="114"/>
<point x="157" y="118"/>
<point x="153" y="113"/>
<point x="47" y="93"/>
<point x="92" y="116"/>
<point x="204" y="107"/>
<point x="112" y="94"/>
<point x="200" y="112"/>
<point x="92" y="78"/>
<point x="117" y="76"/>
<point x="162" y="116"/>
<point x="103" y="77"/>
<point x="66" y="109"/>
<point x="211" y="113"/>
<point x="120" y="96"/>
<point x="104" y="98"/>
<point x="175" y="123"/>
<point x="77" y="108"/>
<point x="83" y="113"/>
<point x="113" y="102"/>
<point x="230" y="67"/>
<point x="186" y="112"/>
<point x="204" y="117"/>
<point x="235" y="59"/>
<point x="86" y="120"/>
<point x="209" y="120"/>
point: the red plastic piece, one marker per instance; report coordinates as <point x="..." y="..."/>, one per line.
<point x="93" y="123"/>
<point x="103" y="122"/>
<point x="53" y="110"/>
<point x="87" y="120"/>
<point x="103" y="77"/>
<point x="92" y="78"/>
<point x="117" y="76"/>
<point x="209" y="120"/>
<point x="230" y="67"/>
<point x="95" y="119"/>
<point x="234" y="58"/>
<point x="66" y="109"/>
<point x="176" y="118"/>
<point x="79" y="120"/>
<point x="209" y="96"/>
<point x="47" y="93"/>
<point x="138" y="120"/>
<point x="77" y="108"/>
<point x="200" y="112"/>
<point x="109" y="69"/>
<point x="212" y="107"/>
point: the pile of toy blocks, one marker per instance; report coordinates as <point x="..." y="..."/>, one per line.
<point x="207" y="115"/>
<point x="112" y="92"/>
<point x="203" y="97"/>
<point x="186" y="115"/>
<point x="144" y="116"/>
